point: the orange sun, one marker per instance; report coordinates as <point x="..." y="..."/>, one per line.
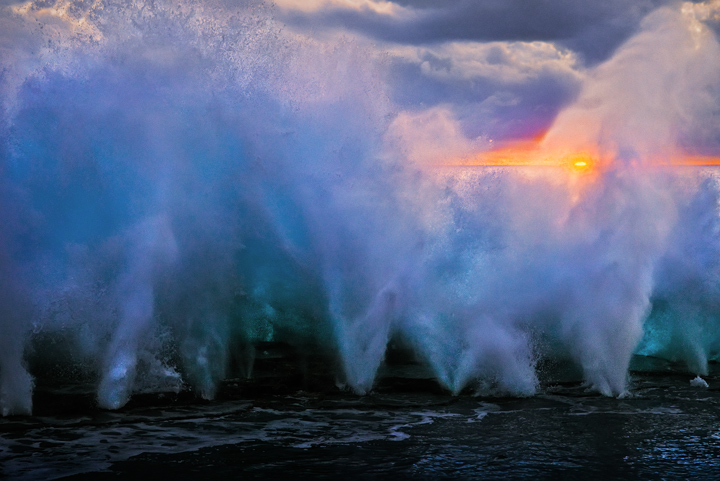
<point x="580" y="162"/>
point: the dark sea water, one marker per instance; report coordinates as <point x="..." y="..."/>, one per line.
<point x="286" y="422"/>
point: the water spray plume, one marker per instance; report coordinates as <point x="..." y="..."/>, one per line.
<point x="180" y="183"/>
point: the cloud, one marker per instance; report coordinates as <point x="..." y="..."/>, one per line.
<point x="658" y="92"/>
<point x="594" y="29"/>
<point x="358" y="5"/>
<point x="497" y="89"/>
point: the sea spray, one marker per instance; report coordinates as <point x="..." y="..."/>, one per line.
<point x="182" y="182"/>
<point x="636" y="111"/>
<point x="683" y="323"/>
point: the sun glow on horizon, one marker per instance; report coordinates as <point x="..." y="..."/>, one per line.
<point x="532" y="154"/>
<point x="529" y="154"/>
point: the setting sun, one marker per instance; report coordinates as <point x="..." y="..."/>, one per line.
<point x="581" y="162"/>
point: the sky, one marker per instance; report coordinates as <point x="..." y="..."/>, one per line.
<point x="502" y="69"/>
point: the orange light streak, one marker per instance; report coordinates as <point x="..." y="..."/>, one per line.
<point x="698" y="161"/>
<point x="527" y="154"/>
<point x="531" y="153"/>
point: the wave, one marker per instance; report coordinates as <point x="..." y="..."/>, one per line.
<point x="181" y="182"/>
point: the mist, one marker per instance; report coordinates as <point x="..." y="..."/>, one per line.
<point x="179" y="182"/>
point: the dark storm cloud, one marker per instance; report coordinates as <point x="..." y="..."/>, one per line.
<point x="485" y="104"/>
<point x="592" y="28"/>
<point x="497" y="90"/>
